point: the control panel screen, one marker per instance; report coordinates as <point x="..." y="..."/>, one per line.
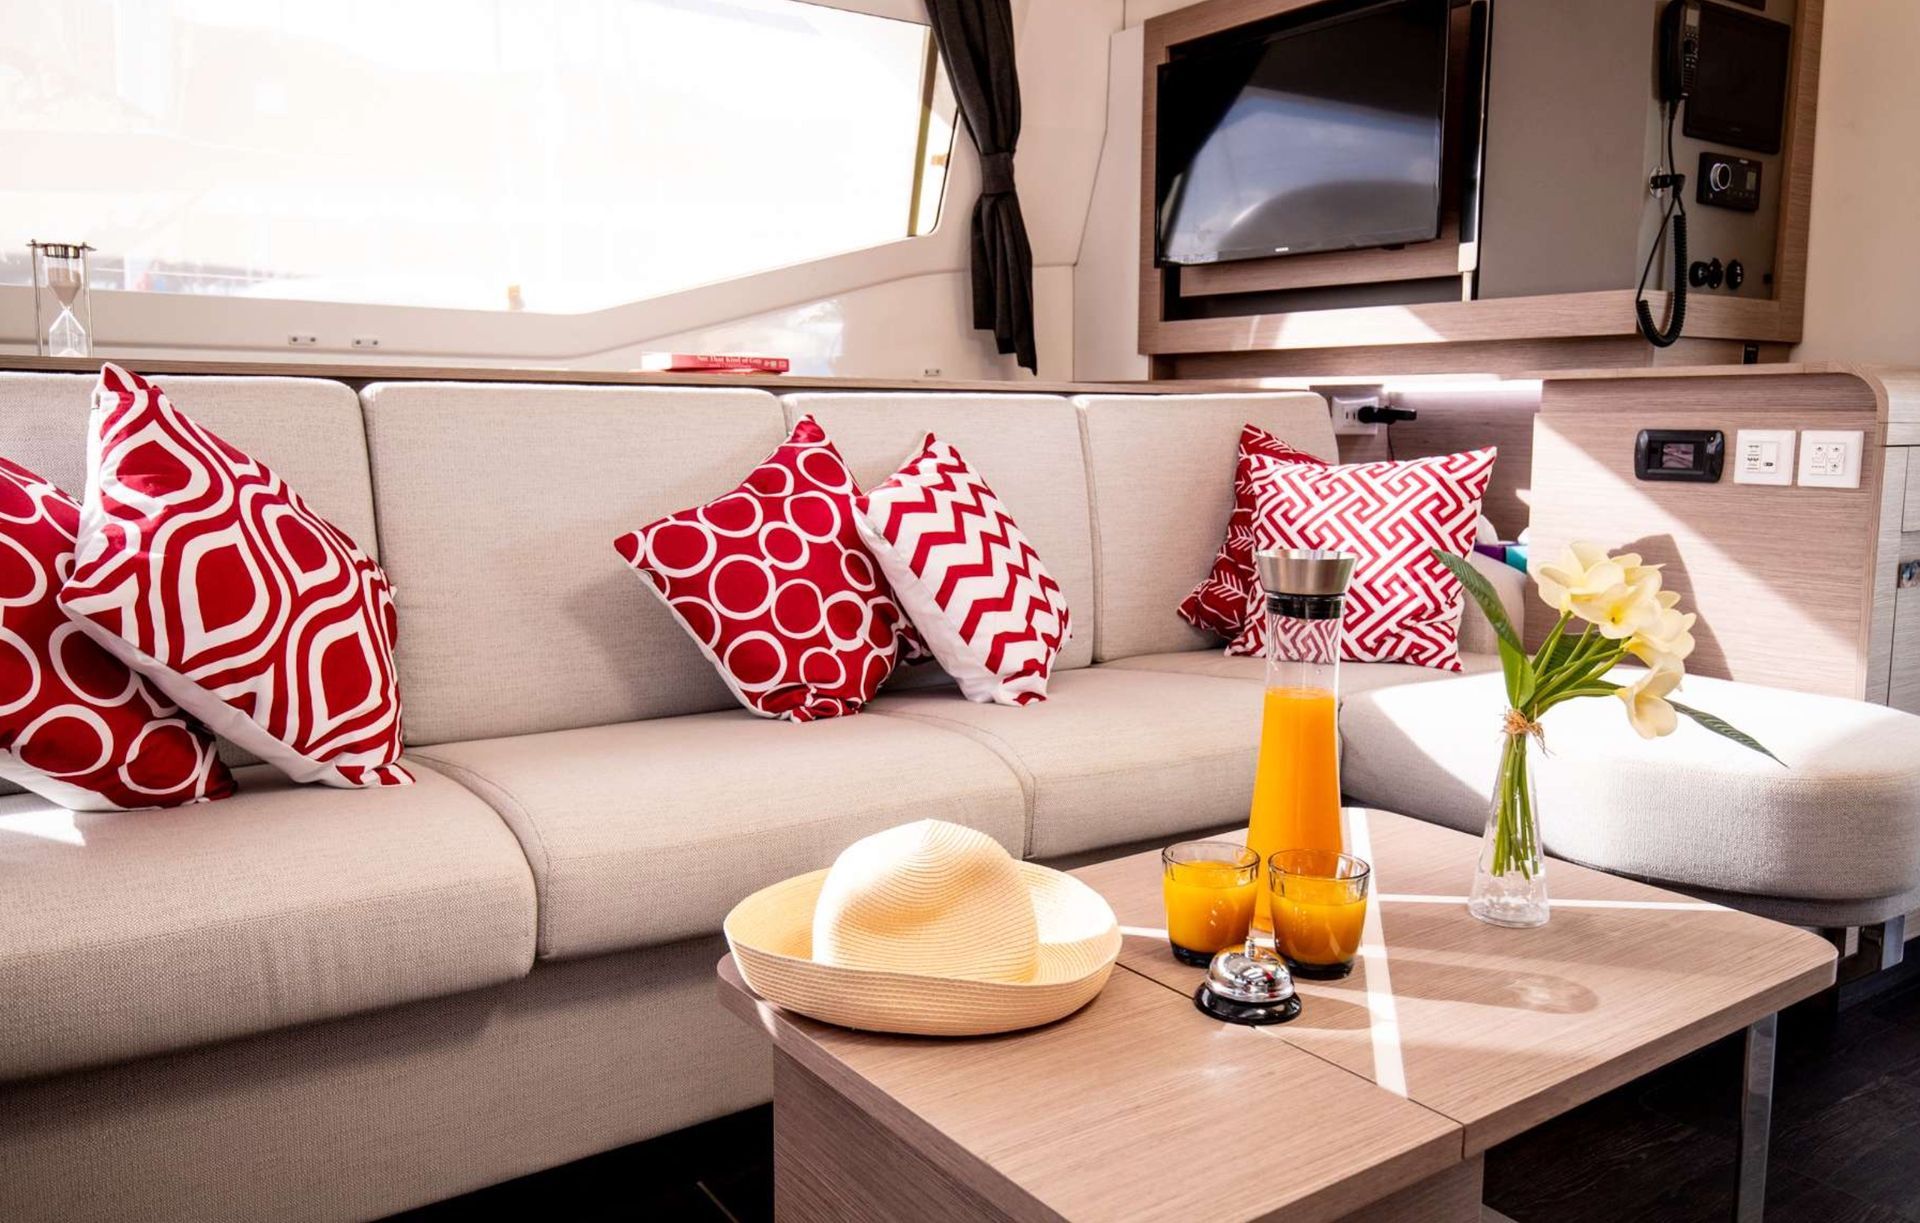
<point x="1678" y="456"/>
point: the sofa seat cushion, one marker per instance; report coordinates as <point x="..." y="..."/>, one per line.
<point x="1355" y="677"/>
<point x="647" y="832"/>
<point x="130" y="933"/>
<point x="1841" y="822"/>
<point x="1113" y="755"/>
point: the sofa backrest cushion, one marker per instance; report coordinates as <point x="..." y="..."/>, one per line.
<point x="1161" y="468"/>
<point x="307" y="429"/>
<point x="1027" y="447"/>
<point x="499" y="504"/>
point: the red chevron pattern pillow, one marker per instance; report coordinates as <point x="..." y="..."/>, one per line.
<point x="1219" y="603"/>
<point x="76" y="726"/>
<point x="976" y="590"/>
<point x="1402" y="605"/>
<point x="200" y="569"/>
<point x="773" y="584"/>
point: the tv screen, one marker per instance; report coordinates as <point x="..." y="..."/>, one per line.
<point x="1319" y="137"/>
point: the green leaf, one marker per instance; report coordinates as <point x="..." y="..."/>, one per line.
<point x="1519" y="675"/>
<point x="1483" y="594"/>
<point x="1725" y="730"/>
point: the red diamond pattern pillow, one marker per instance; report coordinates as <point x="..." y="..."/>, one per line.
<point x="200" y="569"/>
<point x="1402" y="605"/>
<point x="970" y="580"/>
<point x="76" y="726"/>
<point x="1219" y="603"/>
<point x="773" y="584"/>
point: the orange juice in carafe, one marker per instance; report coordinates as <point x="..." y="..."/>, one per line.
<point x="1296" y="785"/>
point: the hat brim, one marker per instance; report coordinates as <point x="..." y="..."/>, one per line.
<point x="771" y="935"/>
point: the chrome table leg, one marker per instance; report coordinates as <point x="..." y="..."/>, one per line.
<point x="1756" y="1120"/>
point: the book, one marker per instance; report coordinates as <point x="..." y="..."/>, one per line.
<point x="710" y="363"/>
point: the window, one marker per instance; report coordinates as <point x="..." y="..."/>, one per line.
<point x="549" y="155"/>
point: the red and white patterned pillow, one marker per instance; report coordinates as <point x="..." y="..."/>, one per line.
<point x="76" y="726"/>
<point x="967" y="575"/>
<point x="200" y="569"/>
<point x="1219" y="603"/>
<point x="773" y="584"/>
<point x="1402" y="605"/>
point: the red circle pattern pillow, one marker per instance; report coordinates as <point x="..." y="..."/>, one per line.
<point x="77" y="726"/>
<point x="773" y="583"/>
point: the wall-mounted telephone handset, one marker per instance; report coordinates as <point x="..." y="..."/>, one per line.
<point x="1679" y="48"/>
<point x="1679" y="62"/>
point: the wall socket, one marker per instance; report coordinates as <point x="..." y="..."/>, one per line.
<point x="1346" y="414"/>
<point x="1763" y="456"/>
<point x="366" y="341"/>
<point x="301" y="339"/>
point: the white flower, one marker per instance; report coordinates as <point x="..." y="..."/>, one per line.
<point x="1669" y="637"/>
<point x="1646" y="701"/>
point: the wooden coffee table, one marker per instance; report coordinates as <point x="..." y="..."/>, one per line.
<point x="1378" y="1102"/>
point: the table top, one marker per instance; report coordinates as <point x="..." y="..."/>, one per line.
<point x="1448" y="1037"/>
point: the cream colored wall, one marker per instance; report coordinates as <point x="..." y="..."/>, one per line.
<point x="1863" y="251"/>
<point x="893" y="311"/>
<point x="1106" y="289"/>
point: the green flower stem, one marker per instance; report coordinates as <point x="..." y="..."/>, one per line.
<point x="1514" y="835"/>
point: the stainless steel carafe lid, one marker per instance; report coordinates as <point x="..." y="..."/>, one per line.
<point x="1305" y="571"/>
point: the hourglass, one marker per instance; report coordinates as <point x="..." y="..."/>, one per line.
<point x="60" y="277"/>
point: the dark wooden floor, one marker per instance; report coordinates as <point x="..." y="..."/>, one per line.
<point x="1846" y="1143"/>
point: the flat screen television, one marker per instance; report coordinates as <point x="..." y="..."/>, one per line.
<point x="1320" y="136"/>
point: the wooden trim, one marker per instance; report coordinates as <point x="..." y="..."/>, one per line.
<point x="1529" y="359"/>
<point x="1796" y="163"/>
<point x="1606" y="312"/>
<point x="1416" y="261"/>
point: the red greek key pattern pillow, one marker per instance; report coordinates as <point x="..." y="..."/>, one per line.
<point x="1402" y="605"/>
<point x="1219" y="603"/>
<point x="76" y="725"/>
<point x="773" y="584"/>
<point x="967" y="575"/>
<point x="200" y="569"/>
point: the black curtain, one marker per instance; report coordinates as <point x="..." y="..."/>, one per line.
<point x="975" y="38"/>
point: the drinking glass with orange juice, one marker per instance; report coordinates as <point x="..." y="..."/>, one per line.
<point x="1319" y="901"/>
<point x="1296" y="784"/>
<point x="1210" y="888"/>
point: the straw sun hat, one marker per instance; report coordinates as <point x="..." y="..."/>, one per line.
<point x="930" y="929"/>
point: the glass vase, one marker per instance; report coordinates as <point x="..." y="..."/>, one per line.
<point x="1510" y="886"/>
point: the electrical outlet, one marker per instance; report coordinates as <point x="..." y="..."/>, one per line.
<point x="300" y="339"/>
<point x="366" y="341"/>
<point x="1763" y="456"/>
<point x="1346" y="415"/>
<point x="1830" y="458"/>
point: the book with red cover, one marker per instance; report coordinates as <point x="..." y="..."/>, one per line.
<point x="710" y="363"/>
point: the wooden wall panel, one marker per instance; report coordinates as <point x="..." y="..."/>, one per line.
<point x="1782" y="577"/>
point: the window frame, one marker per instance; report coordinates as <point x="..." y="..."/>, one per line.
<point x="131" y="325"/>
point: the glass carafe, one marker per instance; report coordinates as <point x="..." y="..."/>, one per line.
<point x="1296" y="785"/>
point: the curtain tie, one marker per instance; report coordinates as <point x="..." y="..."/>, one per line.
<point x="996" y="174"/>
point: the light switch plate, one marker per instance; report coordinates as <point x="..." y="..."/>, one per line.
<point x="1763" y="456"/>
<point x="1830" y="458"/>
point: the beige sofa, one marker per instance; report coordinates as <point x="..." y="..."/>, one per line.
<point x="305" y="1003"/>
